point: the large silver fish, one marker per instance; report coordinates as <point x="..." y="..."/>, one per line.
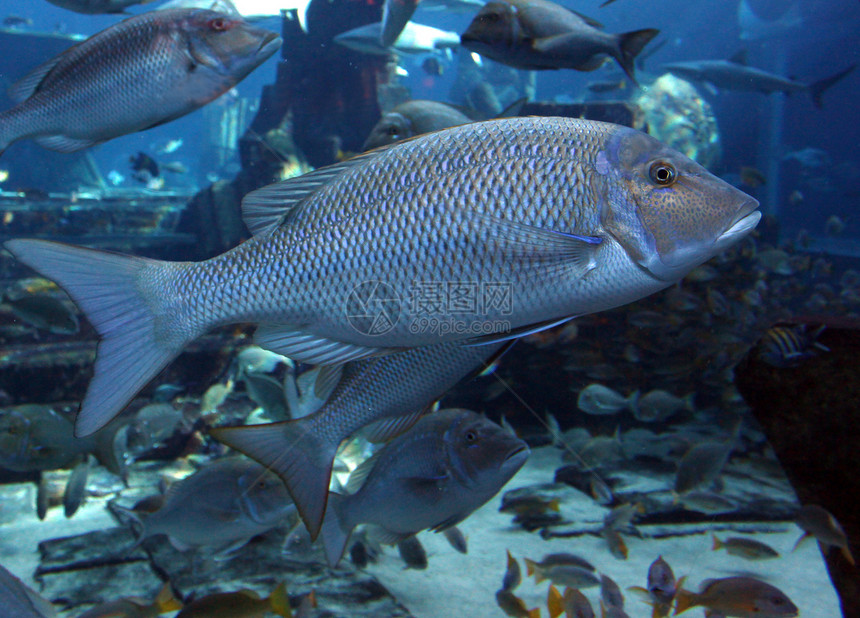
<point x="142" y="72"/>
<point x="392" y="390"/>
<point x="477" y="233"/>
<point x="434" y="476"/>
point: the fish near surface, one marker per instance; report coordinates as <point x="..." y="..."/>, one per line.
<point x="572" y="216"/>
<point x="433" y="476"/>
<point x="391" y="391"/>
<point x="96" y="7"/>
<point x="144" y="71"/>
<point x="222" y="506"/>
<point x="538" y="34"/>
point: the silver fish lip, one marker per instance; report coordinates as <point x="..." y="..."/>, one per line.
<point x="269" y="45"/>
<point x="747" y="218"/>
<point x="515" y="452"/>
<point x="748" y="208"/>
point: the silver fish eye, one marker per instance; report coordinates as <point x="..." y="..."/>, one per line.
<point x="662" y="173"/>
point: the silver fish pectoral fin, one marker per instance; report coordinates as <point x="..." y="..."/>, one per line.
<point x="307" y="347"/>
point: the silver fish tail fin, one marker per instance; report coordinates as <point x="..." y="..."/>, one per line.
<point x="297" y="454"/>
<point x="817" y="89"/>
<point x="335" y="532"/>
<point x="123" y="308"/>
<point x="629" y="46"/>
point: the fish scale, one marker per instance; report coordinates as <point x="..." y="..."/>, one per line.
<point x="602" y="233"/>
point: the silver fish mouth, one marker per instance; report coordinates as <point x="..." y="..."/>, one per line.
<point x="747" y="218"/>
<point x="269" y="45"/>
<point x="517" y="456"/>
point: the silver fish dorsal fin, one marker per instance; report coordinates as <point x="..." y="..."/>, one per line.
<point x="27" y="85"/>
<point x="267" y="208"/>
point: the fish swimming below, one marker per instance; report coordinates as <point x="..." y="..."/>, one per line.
<point x="219" y="507"/>
<point x="513" y="575"/>
<point x="597" y="399"/>
<point x="745" y="548"/>
<point x="136" y="607"/>
<point x="323" y="290"/>
<point x="239" y="604"/>
<point x="701" y="465"/>
<point x="103" y="88"/>
<point x="573" y="604"/>
<point x="412" y="553"/>
<point x="744" y="597"/>
<point x="433" y="476"/>
<point x="390" y="391"/>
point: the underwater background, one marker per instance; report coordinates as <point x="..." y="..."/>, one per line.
<point x="704" y="432"/>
